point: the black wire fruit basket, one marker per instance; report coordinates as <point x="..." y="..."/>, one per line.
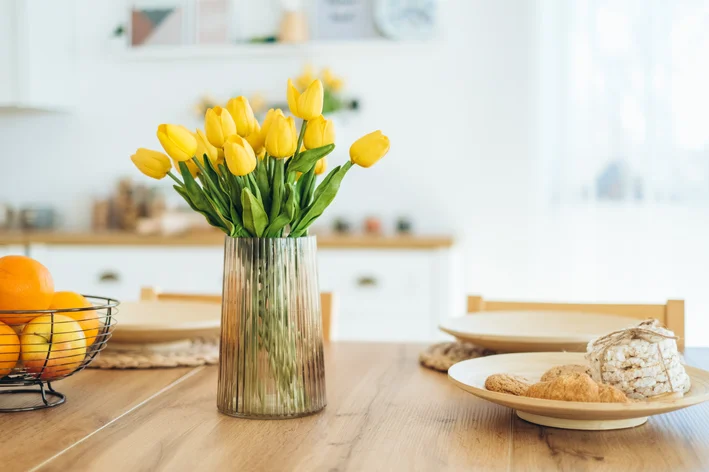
<point x="39" y="347"/>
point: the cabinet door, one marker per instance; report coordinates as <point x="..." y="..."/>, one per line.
<point x="120" y="271"/>
<point x="383" y="295"/>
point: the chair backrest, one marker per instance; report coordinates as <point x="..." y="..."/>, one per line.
<point x="670" y="314"/>
<point x="328" y="303"/>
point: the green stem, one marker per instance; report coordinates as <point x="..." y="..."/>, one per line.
<point x="172" y="176"/>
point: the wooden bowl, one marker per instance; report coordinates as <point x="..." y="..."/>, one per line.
<point x="470" y="375"/>
<point x="533" y="331"/>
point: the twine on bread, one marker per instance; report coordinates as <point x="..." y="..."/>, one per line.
<point x="640" y="331"/>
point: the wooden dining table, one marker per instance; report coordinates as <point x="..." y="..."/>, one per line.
<point x="385" y="412"/>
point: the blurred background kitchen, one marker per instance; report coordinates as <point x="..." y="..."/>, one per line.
<point x="541" y="150"/>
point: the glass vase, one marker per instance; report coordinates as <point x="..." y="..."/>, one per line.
<point x="271" y="351"/>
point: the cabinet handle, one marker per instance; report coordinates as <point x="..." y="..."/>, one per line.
<point x="367" y="281"/>
<point x="109" y="276"/>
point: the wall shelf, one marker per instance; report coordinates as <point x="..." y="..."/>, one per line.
<point x="189" y="52"/>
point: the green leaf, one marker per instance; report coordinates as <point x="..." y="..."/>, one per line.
<point x="306" y="184"/>
<point x="199" y="199"/>
<point x="286" y="216"/>
<point x="254" y="216"/>
<point x="261" y="176"/>
<point x="278" y="188"/>
<point x="307" y="160"/>
<point x="210" y="179"/>
<point x="324" y="195"/>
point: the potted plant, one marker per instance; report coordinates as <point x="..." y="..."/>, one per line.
<point x="257" y="183"/>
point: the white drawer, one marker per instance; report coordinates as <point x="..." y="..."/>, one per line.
<point x="383" y="295"/>
<point x="120" y="271"/>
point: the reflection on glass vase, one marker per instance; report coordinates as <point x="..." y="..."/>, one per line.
<point x="271" y="352"/>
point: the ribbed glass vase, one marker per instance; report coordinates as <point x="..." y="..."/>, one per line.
<point x="271" y="352"/>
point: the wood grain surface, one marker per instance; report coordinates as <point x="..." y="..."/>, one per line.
<point x="94" y="400"/>
<point x="385" y="412"/>
<point x="216" y="238"/>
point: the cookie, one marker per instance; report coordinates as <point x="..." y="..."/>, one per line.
<point x="507" y="383"/>
<point x="557" y="371"/>
<point x="442" y="356"/>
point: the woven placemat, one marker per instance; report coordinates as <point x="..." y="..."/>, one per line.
<point x="442" y="356"/>
<point x="192" y="353"/>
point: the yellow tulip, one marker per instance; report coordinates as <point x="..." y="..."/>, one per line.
<point x="368" y="149"/>
<point x="270" y="116"/>
<point x="256" y="138"/>
<point x="205" y="147"/>
<point x="319" y="132"/>
<point x="240" y="157"/>
<point x="219" y="125"/>
<point x="243" y="115"/>
<point x="307" y="105"/>
<point x="261" y="154"/>
<point x="321" y="166"/>
<point x="178" y="142"/>
<point x="332" y="81"/>
<point x="282" y="139"/>
<point x="307" y="77"/>
<point x="191" y="166"/>
<point x="151" y="163"/>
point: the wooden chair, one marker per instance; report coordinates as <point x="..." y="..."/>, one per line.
<point x="328" y="303"/>
<point x="670" y="314"/>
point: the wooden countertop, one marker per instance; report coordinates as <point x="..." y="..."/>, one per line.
<point x="214" y="238"/>
<point x="385" y="412"/>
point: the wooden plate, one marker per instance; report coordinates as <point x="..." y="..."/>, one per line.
<point x="533" y="331"/>
<point x="470" y="376"/>
<point x="163" y="322"/>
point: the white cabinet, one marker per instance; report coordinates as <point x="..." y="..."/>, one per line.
<point x="36" y="53"/>
<point x="120" y="271"/>
<point x="383" y="294"/>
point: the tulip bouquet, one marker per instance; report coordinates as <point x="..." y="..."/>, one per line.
<point x="257" y="183"/>
<point x="258" y="180"/>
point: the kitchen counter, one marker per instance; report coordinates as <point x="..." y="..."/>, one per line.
<point x="214" y="238"/>
<point x="385" y="412"/>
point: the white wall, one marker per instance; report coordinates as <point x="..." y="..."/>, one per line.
<point x="461" y="117"/>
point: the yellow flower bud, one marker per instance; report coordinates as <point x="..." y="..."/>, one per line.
<point x="151" y="163"/>
<point x="368" y="149"/>
<point x="261" y="154"/>
<point x="321" y="166"/>
<point x="282" y="139"/>
<point x="270" y="116"/>
<point x="219" y="125"/>
<point x="306" y="78"/>
<point x="240" y="157"/>
<point x="178" y="142"/>
<point x="319" y="132"/>
<point x="205" y="147"/>
<point x="332" y="81"/>
<point x="256" y="138"/>
<point x="243" y="115"/>
<point x="307" y="105"/>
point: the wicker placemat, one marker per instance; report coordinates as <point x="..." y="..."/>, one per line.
<point x="191" y="353"/>
<point x="442" y="356"/>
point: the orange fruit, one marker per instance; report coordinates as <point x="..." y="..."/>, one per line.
<point x="25" y="284"/>
<point x="9" y="349"/>
<point x="88" y="320"/>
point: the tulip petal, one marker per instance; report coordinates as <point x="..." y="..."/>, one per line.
<point x="367" y="150"/>
<point x="310" y="102"/>
<point x="293" y="95"/>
